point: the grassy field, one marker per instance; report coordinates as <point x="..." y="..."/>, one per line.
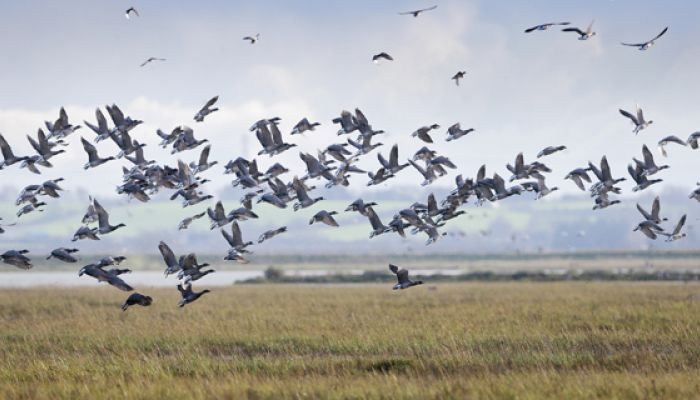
<point x="500" y="340"/>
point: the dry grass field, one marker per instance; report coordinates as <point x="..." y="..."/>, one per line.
<point x="494" y="340"/>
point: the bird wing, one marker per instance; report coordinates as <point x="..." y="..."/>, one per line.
<point x="655" y="208"/>
<point x="118" y="283"/>
<point x="630" y="116"/>
<point x="394" y="156"/>
<point x="644" y="212"/>
<point x="204" y="155"/>
<point x="373" y="218"/>
<point x="648" y="157"/>
<point x="577" y="30"/>
<point x="679" y="226"/>
<point x="102" y="215"/>
<point x="168" y="255"/>
<point x="660" y="34"/>
<point x="210" y="102"/>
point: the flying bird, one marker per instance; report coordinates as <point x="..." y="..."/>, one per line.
<point x="583" y="35"/>
<point x="416" y="13"/>
<point x="646" y="45"/>
<point x="252" y="39"/>
<point x="638" y="120"/>
<point x="129" y="11"/>
<point x="206" y="109"/>
<point x="151" y="59"/>
<point x="381" y="56"/>
<point x="402" y="276"/>
<point x="459" y="75"/>
<point x="544" y="27"/>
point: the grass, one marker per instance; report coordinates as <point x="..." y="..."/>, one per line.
<point x="496" y="340"/>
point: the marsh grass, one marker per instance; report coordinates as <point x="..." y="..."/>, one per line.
<point x="496" y="340"/>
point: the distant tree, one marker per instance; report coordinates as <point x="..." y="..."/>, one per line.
<point x="273" y="274"/>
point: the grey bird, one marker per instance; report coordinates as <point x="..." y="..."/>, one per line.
<point x="402" y="276"/>
<point x="638" y="120"/>
<point x="646" y="45"/>
<point x="17" y="258"/>
<point x="648" y="165"/>
<point x="637" y="174"/>
<point x="360" y="206"/>
<point x="422" y="133"/>
<point x="7" y="154"/>
<point x="206" y="109"/>
<point x="137" y="299"/>
<point x="252" y="39"/>
<point x="669" y="139"/>
<point x="459" y="75"/>
<point x="235" y="238"/>
<point x="63" y="254"/>
<point x="579" y="175"/>
<point x="416" y="13"/>
<point x="392" y="166"/>
<point x="381" y="56"/>
<point x="544" y="27"/>
<point x="583" y="35"/>
<point x="655" y="211"/>
<point x="171" y="263"/>
<point x="303" y="126"/>
<point x="103" y="220"/>
<point x="110" y="276"/>
<point x="94" y="160"/>
<point x="326" y="217"/>
<point x="676" y="234"/>
<point x="85" y="232"/>
<point x="131" y="11"/>
<point x="185" y="223"/>
<point x="550" y="150"/>
<point x="378" y="227"/>
<point x="649" y="229"/>
<point x="271" y="233"/>
<point x="455" y="132"/>
<point x="150" y="60"/>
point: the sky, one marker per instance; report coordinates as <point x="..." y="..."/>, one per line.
<point x="522" y="91"/>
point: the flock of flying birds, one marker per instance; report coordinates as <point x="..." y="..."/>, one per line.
<point x="332" y="166"/>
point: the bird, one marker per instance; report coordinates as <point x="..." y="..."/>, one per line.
<point x="693" y="140"/>
<point x="640" y="178"/>
<point x="649" y="229"/>
<point x="455" y="132"/>
<point x="360" y="206"/>
<point x="638" y="120"/>
<point x="129" y="11"/>
<point x="326" y="217"/>
<point x="422" y="133"/>
<point x="271" y="233"/>
<point x="583" y="35"/>
<point x="206" y="109"/>
<point x="110" y="276"/>
<point x="137" y="299"/>
<point x="402" y="276"/>
<point x="63" y="254"/>
<point x="103" y="220"/>
<point x="303" y="126"/>
<point x="171" y="263"/>
<point x="550" y="150"/>
<point x="416" y="13"/>
<point x="235" y="238"/>
<point x="392" y="166"/>
<point x="188" y="296"/>
<point x="17" y="258"/>
<point x="381" y="56"/>
<point x="646" y="45"/>
<point x="676" y="234"/>
<point x="150" y="60"/>
<point x="648" y="166"/>
<point x="669" y="139"/>
<point x="544" y="27"/>
<point x="85" y="232"/>
<point x="378" y="227"/>
<point x="185" y="223"/>
<point x="94" y="160"/>
<point x="655" y="210"/>
<point x="459" y="75"/>
<point x="252" y="39"/>
<point x="7" y="154"/>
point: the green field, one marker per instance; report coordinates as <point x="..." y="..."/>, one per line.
<point x="499" y="340"/>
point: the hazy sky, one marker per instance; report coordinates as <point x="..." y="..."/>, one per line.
<point x="522" y="92"/>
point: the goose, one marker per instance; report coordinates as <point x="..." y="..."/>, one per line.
<point x="190" y="197"/>
<point x="424" y="154"/>
<point x="579" y="175"/>
<point x="218" y="216"/>
<point x="109" y="261"/>
<point x="669" y="139"/>
<point x="247" y="199"/>
<point x="103" y="220"/>
<point x="7" y="154"/>
<point x="264" y="123"/>
<point x="347" y="122"/>
<point x="137" y="299"/>
<point x="338" y="151"/>
<point x="693" y="140"/>
<point x="94" y="160"/>
<point x="303" y="126"/>
<point x="649" y="167"/>
<point x="402" y="275"/>
<point x="360" y="206"/>
<point x="416" y="13"/>
<point x="377" y="227"/>
<point x="544" y="27"/>
<point x="28" y="195"/>
<point x="275" y="170"/>
<point x="381" y="56"/>
<point x="397" y="225"/>
<point x="235" y="239"/>
<point x="303" y="199"/>
<point x="542" y="189"/>
<point x="392" y="166"/>
<point x="111" y="276"/>
<point x="315" y="168"/>
<point x="455" y="132"/>
<point x="378" y="177"/>
<point x="102" y="129"/>
<point x="428" y="173"/>
<point x="63" y="254"/>
<point x="203" y="163"/>
<point x="271" y="198"/>
<point x="129" y="11"/>
<point x="271" y="233"/>
<point x="150" y="60"/>
<point x="171" y="263"/>
<point x="646" y="45"/>
<point x="125" y="143"/>
<point x="122" y="123"/>
<point x="324" y="216"/>
<point x="235" y="255"/>
<point x="186" y="141"/>
<point x="252" y="39"/>
<point x="85" y="232"/>
<point x="51" y="188"/>
<point x="637" y="174"/>
<point x="30" y="208"/>
<point x="604" y="175"/>
<point x="43" y="147"/>
<point x="695" y="194"/>
<point x="61" y="128"/>
<point x="602" y="201"/>
<point x="242" y="214"/>
<point x="17" y="258"/>
<point x="550" y="150"/>
<point x="188" y="296"/>
<point x="676" y="234"/>
<point x="583" y="35"/>
<point x="422" y="133"/>
<point x="206" y="109"/>
<point x="655" y="210"/>
<point x="365" y="147"/>
<point x="139" y="159"/>
<point x="90" y="214"/>
<point x="649" y="229"/>
<point x="31" y="162"/>
<point x="185" y="223"/>
<point x="191" y="270"/>
<point x="501" y="191"/>
<point x="459" y="75"/>
<point x="638" y="120"/>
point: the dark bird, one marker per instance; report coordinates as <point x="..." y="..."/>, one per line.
<point x="325" y="217"/>
<point x="252" y="39"/>
<point x="137" y="299"/>
<point x="416" y="13"/>
<point x="94" y="160"/>
<point x="459" y="75"/>
<point x="544" y="27"/>
<point x="583" y="35"/>
<point x="188" y="296"/>
<point x="381" y="56"/>
<point x="271" y="233"/>
<point x="638" y="120"/>
<point x="402" y="275"/>
<point x="129" y="11"/>
<point x="646" y="45"/>
<point x="17" y="258"/>
<point x="103" y="220"/>
<point x="151" y="59"/>
<point x="206" y="110"/>
<point x="550" y="150"/>
<point x="64" y="254"/>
